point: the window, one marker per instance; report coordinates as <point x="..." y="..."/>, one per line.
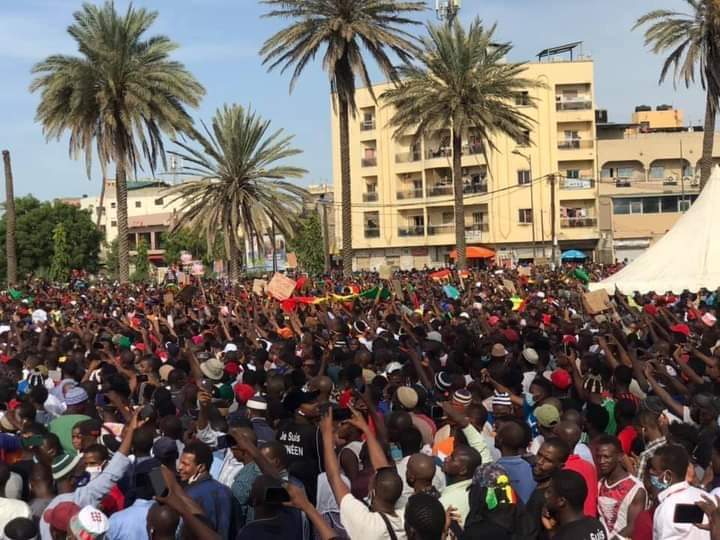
<point x="417" y="221"/>
<point x="683" y="205"/>
<point x="370" y="188"/>
<point x="113" y="205"/>
<point x="103" y="229"/>
<point x="159" y="202"/>
<point x="573" y="173"/>
<point x="624" y="172"/>
<point x="160" y="240"/>
<point x="621" y="206"/>
<point x="689" y="171"/>
<point x="523" y="177"/>
<point x="478" y="218"/>
<point x="113" y="223"/>
<point x="525" y="139"/>
<point x="669" y="204"/>
<point x="522" y="99"/>
<point x="657" y="171"/>
<point x="651" y="205"/>
<point x="448" y="217"/>
<point x="636" y="206"/>
<point x="525" y="215"/>
<point x="138" y="204"/>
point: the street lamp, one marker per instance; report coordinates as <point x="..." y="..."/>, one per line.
<point x="528" y="158"/>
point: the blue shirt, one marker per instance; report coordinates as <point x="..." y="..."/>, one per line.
<point x="218" y="504"/>
<point x="241" y="487"/>
<point x="131" y="523"/>
<point x="520" y="473"/>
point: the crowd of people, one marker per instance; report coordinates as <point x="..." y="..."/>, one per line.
<point x="490" y="403"/>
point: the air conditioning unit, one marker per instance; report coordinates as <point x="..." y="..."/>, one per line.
<point x="670" y="181"/>
<point x="695" y="181"/>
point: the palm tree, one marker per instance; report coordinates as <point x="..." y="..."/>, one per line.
<point x="120" y="95"/>
<point x="239" y="184"/>
<point x="10" y="218"/>
<point x="341" y="28"/>
<point x="461" y="78"/>
<point x="693" y="40"/>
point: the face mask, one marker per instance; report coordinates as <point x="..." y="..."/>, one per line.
<point x="194" y="477"/>
<point x="658" y="484"/>
<point x="530" y="399"/>
<point x="93" y="471"/>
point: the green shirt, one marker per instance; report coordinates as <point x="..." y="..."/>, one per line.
<point x="62" y="426"/>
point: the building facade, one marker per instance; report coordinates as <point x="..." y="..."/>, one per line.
<point x="649" y="176"/>
<point x="402" y="192"/>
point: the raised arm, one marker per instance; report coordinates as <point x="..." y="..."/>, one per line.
<point x="332" y="467"/>
<point x="663" y="394"/>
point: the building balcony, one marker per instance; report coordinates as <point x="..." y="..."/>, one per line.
<point x="372" y="232"/>
<point x="575" y="144"/>
<point x="418" y="230"/>
<point x="368" y="162"/>
<point x="578" y="222"/>
<point x="472" y="149"/>
<point x="474" y="189"/>
<point x="443" y="152"/>
<point x="580" y="104"/>
<point x="371" y="196"/>
<point x="445" y="228"/>
<point x="410" y="194"/>
<point x="444" y="190"/>
<point x="367" y="125"/>
<point x="577" y="183"/>
<point x="474" y="233"/>
<point x="408" y="157"/>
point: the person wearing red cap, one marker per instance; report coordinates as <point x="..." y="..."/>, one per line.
<point x="58" y="519"/>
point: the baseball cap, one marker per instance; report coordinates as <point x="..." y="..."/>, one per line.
<point x="681" y="328"/>
<point x="547" y="415"/>
<point x="58" y="517"/>
<point x="89" y="523"/>
<point x="561" y="379"/>
<point x="243" y="392"/>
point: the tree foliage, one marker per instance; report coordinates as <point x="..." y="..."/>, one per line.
<point x="187" y="239"/>
<point x="142" y="263"/>
<point x="307" y="244"/>
<point x="36" y="222"/>
<point x="60" y="265"/>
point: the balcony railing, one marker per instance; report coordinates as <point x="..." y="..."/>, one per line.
<point x="577" y="183"/>
<point x="367" y="125"/>
<point x="623" y="181"/>
<point x="372" y="232"/>
<point x="418" y="230"/>
<point x="410" y="194"/>
<point x="444" y="228"/>
<point x="445" y="151"/>
<point x="442" y="190"/>
<point x="474" y="232"/>
<point x="575" y="144"/>
<point x="370" y="196"/>
<point x="368" y="161"/>
<point x="581" y="104"/>
<point x="577" y="222"/>
<point x="471" y="149"/>
<point x="408" y="157"/>
<point x="475" y="188"/>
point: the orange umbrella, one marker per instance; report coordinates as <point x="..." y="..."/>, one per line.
<point x="474" y="252"/>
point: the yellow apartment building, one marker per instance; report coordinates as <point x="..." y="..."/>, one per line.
<point x="402" y="192"/>
<point x="649" y="175"/>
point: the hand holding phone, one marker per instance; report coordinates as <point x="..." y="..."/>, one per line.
<point x="688" y="513"/>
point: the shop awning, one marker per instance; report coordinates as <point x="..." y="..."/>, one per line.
<point x="474" y="252"/>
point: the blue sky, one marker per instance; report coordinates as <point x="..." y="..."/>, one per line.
<point x="219" y="40"/>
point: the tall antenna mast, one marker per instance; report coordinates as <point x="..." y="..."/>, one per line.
<point x="447" y="10"/>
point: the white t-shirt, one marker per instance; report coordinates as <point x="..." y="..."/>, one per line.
<point x="438" y="482"/>
<point x="360" y="522"/>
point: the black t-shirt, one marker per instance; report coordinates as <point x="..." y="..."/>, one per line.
<point x="582" y="529"/>
<point x="304" y="446"/>
<point x="269" y="529"/>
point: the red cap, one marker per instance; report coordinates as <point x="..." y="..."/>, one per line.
<point x="493" y="320"/>
<point x="243" y="392"/>
<point x="59" y="516"/>
<point x="681" y="328"/>
<point x="511" y="335"/>
<point x="569" y="339"/>
<point x="547" y="319"/>
<point x="232" y="368"/>
<point x="650" y="309"/>
<point x="561" y="379"/>
<point x="140" y="346"/>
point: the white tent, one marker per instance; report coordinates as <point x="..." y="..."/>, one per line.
<point x="687" y="257"/>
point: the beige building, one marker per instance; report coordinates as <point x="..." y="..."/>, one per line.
<point x="402" y="193"/>
<point x="649" y="175"/>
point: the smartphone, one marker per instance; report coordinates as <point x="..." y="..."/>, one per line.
<point x="276" y="495"/>
<point x="688" y="513"/>
<point x="157" y="481"/>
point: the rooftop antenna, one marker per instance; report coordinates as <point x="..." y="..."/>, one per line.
<point x="447" y="10"/>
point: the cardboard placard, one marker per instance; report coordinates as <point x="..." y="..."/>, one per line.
<point x="397" y="289"/>
<point x="281" y="287"/>
<point x="168" y="299"/>
<point x="259" y="286"/>
<point x="292" y="261"/>
<point x="197" y="269"/>
<point x="596" y="301"/>
<point x="509" y="286"/>
<point x="385" y="272"/>
<point x="523" y="270"/>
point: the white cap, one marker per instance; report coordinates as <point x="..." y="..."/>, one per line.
<point x="39" y="315"/>
<point x="393" y="366"/>
<point x="230" y="347"/>
<point x="89" y="523"/>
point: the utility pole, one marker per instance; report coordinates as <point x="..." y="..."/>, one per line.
<point x="324" y="204"/>
<point x="551" y="179"/>
<point x="447" y="10"/>
<point x="274" y="261"/>
<point x="10" y="240"/>
<point x="682" y="175"/>
<point x="528" y="158"/>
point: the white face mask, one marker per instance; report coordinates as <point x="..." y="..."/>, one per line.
<point x="94" y="471"/>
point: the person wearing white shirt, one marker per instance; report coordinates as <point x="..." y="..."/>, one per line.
<point x="666" y="473"/>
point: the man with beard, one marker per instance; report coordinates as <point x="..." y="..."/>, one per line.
<point x="621" y="496"/>
<point x="550" y="458"/>
<point x="564" y="509"/>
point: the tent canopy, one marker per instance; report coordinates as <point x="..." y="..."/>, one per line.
<point x="573" y="254"/>
<point x="687" y="257"/>
<point x="474" y="252"/>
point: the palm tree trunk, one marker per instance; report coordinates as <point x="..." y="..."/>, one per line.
<point x="10" y="245"/>
<point x="122" y="223"/>
<point x="459" y="206"/>
<point x="100" y="206"/>
<point x="345" y="185"/>
<point x="234" y="263"/>
<point x="708" y="141"/>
